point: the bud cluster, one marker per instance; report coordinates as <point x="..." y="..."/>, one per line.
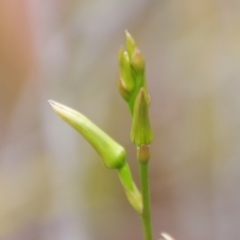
<point x="133" y="88"/>
<point x="132" y="71"/>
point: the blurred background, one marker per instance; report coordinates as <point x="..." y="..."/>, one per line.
<point x="53" y="186"/>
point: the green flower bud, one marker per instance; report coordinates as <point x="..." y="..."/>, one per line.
<point x="126" y="70"/>
<point x="113" y="154"/>
<point x="123" y="90"/>
<point x="131" y="44"/>
<point x="137" y="61"/>
<point x="141" y="132"/>
<point x="132" y="72"/>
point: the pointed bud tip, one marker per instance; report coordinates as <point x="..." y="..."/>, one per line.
<point x="142" y="92"/>
<point x="141" y="133"/>
<point x="166" y="236"/>
<point x="57" y="107"/>
<point x="144" y="96"/>
<point x="127" y="34"/>
<point x="131" y="44"/>
<point x="126" y="70"/>
<point x="123" y="58"/>
<point x="137" y="61"/>
<point x="125" y="93"/>
<point x="51" y="102"/>
<point x="126" y="56"/>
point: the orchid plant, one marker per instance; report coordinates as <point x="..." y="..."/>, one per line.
<point x="133" y="88"/>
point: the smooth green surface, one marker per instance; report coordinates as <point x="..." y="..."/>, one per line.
<point x="132" y="193"/>
<point x="131" y="43"/>
<point x="133" y="88"/>
<point x="126" y="70"/>
<point x="141" y="133"/>
<point x="112" y="154"/>
<point x="146" y="214"/>
<point x="132" y="72"/>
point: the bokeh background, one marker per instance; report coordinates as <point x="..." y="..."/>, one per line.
<point x="52" y="184"/>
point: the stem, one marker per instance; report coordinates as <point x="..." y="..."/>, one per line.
<point x="146" y="214"/>
<point x="132" y="193"/>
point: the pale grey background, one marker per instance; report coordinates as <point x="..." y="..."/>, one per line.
<point x="53" y="185"/>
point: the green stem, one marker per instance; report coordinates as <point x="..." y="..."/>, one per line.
<point x="146" y="214"/>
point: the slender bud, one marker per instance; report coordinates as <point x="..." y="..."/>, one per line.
<point x="126" y="70"/>
<point x="123" y="90"/>
<point x="137" y="61"/>
<point x="113" y="154"/>
<point x="141" y="133"/>
<point x="131" y="44"/>
<point x="143" y="154"/>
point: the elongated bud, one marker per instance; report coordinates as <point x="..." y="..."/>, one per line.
<point x="113" y="154"/>
<point x="126" y="70"/>
<point x="141" y="132"/>
<point x="137" y="61"/>
<point x="131" y="44"/>
<point x="131" y="191"/>
<point x="123" y="90"/>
